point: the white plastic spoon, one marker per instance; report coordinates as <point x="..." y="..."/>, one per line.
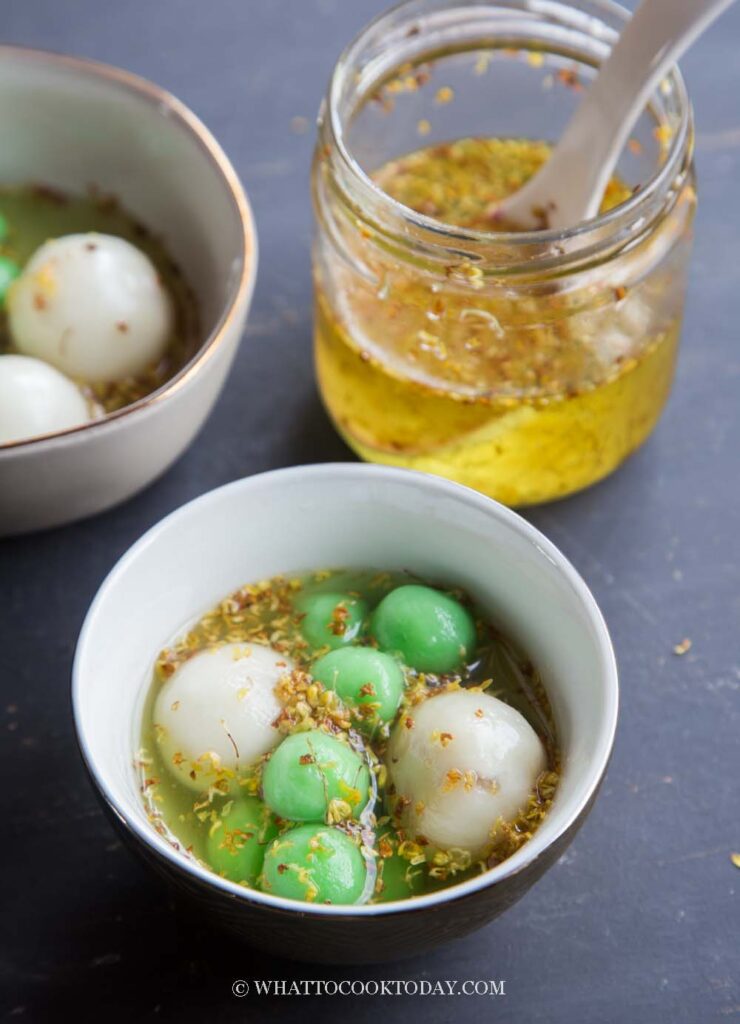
<point x="571" y="184"/>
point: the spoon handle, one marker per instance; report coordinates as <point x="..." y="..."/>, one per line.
<point x="656" y="36"/>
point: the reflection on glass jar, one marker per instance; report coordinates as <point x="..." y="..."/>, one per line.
<point x="526" y="365"/>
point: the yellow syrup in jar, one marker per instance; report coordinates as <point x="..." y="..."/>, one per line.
<point x="524" y="394"/>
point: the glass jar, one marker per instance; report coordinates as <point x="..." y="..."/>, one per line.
<point x="526" y="365"/>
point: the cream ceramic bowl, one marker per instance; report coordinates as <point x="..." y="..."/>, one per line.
<point x="345" y="516"/>
<point x="70" y="123"/>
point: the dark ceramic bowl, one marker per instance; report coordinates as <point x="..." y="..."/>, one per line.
<point x="362" y="516"/>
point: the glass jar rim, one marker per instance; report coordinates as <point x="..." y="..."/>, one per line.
<point x="586" y="236"/>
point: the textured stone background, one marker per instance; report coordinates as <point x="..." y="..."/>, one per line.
<point x="639" y="921"/>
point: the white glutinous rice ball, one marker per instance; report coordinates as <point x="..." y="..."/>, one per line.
<point x="215" y="715"/>
<point x="36" y="399"/>
<point x="92" y="305"/>
<point x="463" y="761"/>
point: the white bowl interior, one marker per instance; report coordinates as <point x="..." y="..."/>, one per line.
<point x="74" y="123"/>
<point x="344" y="516"/>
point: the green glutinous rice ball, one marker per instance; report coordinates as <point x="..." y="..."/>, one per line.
<point x="430" y="630"/>
<point x="236" y="848"/>
<point x="315" y="864"/>
<point x="332" y="620"/>
<point x="311" y="770"/>
<point x="370" y="682"/>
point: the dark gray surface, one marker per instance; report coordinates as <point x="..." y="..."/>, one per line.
<point x="639" y="921"/>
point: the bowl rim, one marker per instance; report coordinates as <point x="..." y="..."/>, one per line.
<point x="241" y="291"/>
<point x="525" y="856"/>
